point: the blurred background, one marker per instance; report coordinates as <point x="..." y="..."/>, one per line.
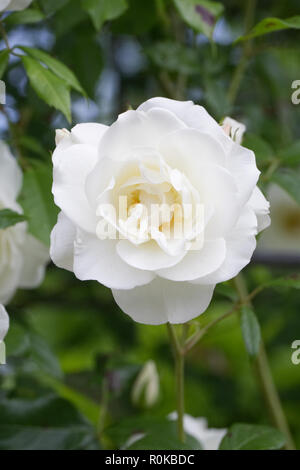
<point x="72" y="356"/>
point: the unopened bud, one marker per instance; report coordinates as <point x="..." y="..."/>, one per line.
<point x="60" y="134"/>
<point x="234" y="129"/>
<point x="145" y="390"/>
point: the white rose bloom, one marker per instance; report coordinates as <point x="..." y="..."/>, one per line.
<point x="4" y="322"/>
<point x="22" y="257"/>
<point x="14" y="5"/>
<point x="197" y="427"/>
<point x="284" y="236"/>
<point x="167" y="153"/>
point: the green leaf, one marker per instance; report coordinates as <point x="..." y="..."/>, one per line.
<point x="290" y="155"/>
<point x="33" y="145"/>
<point x="41" y="358"/>
<point x="262" y="149"/>
<point x="46" y="423"/>
<point x="60" y="69"/>
<point x="89" y="408"/>
<point x="37" y="202"/>
<point x="175" y="57"/>
<point x="251" y="331"/>
<point x="162" y="441"/>
<point x="9" y="218"/>
<point x="159" y="434"/>
<point x="289" y="282"/>
<point x="51" y="6"/>
<point x="4" y="58"/>
<point x="104" y="10"/>
<point x="252" y="437"/>
<point x="139" y="18"/>
<point x="268" y="25"/>
<point x="289" y="180"/>
<point x="48" y="86"/>
<point x="30" y="15"/>
<point x="201" y="15"/>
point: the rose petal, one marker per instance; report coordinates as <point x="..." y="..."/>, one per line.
<point x="261" y="208"/>
<point x="35" y="258"/>
<point x="148" y="256"/>
<point x="86" y="133"/>
<point x="137" y="129"/>
<point x="197" y="264"/>
<point x="62" y="242"/>
<point x="69" y="185"/>
<point x="189" y="149"/>
<point x="98" y="260"/>
<point x="194" y="116"/>
<point x="164" y="301"/>
<point x="242" y="165"/>
<point x="240" y="245"/>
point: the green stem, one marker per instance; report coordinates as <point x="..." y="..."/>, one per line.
<point x="242" y="65"/>
<point x="265" y="378"/>
<point x="162" y="14"/>
<point x="193" y="340"/>
<point x="179" y="374"/>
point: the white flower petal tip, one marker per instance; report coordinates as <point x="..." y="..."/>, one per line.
<point x="209" y="438"/>
<point x="60" y="134"/>
<point x="4" y="322"/>
<point x="159" y="207"/>
<point x="234" y="129"/>
<point x="14" y="5"/>
<point x="145" y="390"/>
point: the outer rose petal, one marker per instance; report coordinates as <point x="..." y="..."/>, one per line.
<point x="69" y="185"/>
<point x="10" y="176"/>
<point x="164" y="301"/>
<point x="240" y="245"/>
<point x="35" y="257"/>
<point x="240" y="161"/>
<point x="189" y="149"/>
<point x="261" y="208"/>
<point x="242" y="165"/>
<point x="62" y="242"/>
<point x="4" y="322"/>
<point x="194" y="116"/>
<point x="97" y="260"/>
<point x="86" y="133"/>
<point x="136" y="129"/>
